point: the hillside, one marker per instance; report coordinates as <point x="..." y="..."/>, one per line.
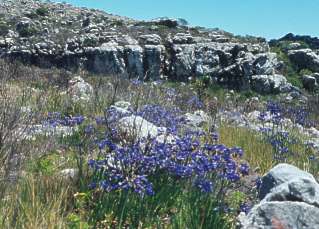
<point x="55" y="34"/>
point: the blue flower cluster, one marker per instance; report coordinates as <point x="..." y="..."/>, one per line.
<point x="299" y="115"/>
<point x="57" y="119"/>
<point x="136" y="166"/>
<point x="281" y="140"/>
<point x="195" y="103"/>
<point x="162" y="116"/>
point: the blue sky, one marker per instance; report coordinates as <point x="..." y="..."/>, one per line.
<point x="266" y="18"/>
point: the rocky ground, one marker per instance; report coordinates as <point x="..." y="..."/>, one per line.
<point x="56" y="34"/>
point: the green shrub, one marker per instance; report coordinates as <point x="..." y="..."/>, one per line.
<point x="305" y="72"/>
<point x="290" y="70"/>
<point x="42" y="11"/>
<point x="4" y="28"/>
<point x="27" y="31"/>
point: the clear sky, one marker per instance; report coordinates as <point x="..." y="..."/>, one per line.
<point x="266" y="18"/>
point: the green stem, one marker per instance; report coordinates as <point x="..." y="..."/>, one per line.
<point x="122" y="212"/>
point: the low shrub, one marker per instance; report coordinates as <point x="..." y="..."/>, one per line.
<point x="42" y="11"/>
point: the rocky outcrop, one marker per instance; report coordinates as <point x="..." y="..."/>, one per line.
<point x="312" y="42"/>
<point x="309" y="82"/>
<point x="279" y="175"/>
<point x="290" y="199"/>
<point x="79" y="38"/>
<point x="270" y="84"/>
<point x="196" y="120"/>
<point x="305" y="59"/>
<point x="292" y="215"/>
<point x="138" y="128"/>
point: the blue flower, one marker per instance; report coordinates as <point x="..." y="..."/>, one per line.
<point x="244" y="207"/>
<point x="204" y="185"/>
<point x="244" y="168"/>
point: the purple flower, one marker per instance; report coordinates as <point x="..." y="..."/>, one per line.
<point x="244" y="168"/>
<point x="215" y="136"/>
<point x="204" y="185"/>
<point x="244" y="207"/>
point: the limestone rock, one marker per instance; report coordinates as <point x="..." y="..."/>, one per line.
<point x="151" y="39"/>
<point x="292" y="215"/>
<point x="107" y="59"/>
<point x="280" y="174"/>
<point x="299" y="189"/>
<point x="197" y="119"/>
<point x="270" y="83"/>
<point x="309" y="82"/>
<point x="305" y="59"/>
<point x="69" y="174"/>
<point x="290" y="199"/>
<point x="134" y="60"/>
<point x="136" y="126"/>
<point x="79" y="90"/>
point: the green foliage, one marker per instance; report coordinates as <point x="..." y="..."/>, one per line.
<point x="290" y="71"/>
<point x="45" y="165"/>
<point x="89" y="42"/>
<point x="116" y="23"/>
<point x="305" y="72"/>
<point x="285" y="45"/>
<point x="236" y="199"/>
<point x="4" y="28"/>
<point x="74" y="222"/>
<point x="42" y="11"/>
<point x="173" y="206"/>
<point x="200" y="85"/>
<point x="27" y="31"/>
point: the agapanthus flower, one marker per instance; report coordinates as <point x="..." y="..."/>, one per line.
<point x="204" y="185"/>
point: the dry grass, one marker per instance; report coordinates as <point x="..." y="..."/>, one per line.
<point x="257" y="152"/>
<point x="36" y="202"/>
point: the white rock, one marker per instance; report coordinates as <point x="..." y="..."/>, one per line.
<point x="79" y="90"/>
<point x="69" y="174"/>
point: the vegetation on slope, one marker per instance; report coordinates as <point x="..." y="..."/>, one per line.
<point x="166" y="198"/>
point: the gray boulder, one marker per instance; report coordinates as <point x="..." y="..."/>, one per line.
<point x="294" y="46"/>
<point x="299" y="189"/>
<point x="305" y="59"/>
<point x="281" y="215"/>
<point x="34" y="131"/>
<point x="280" y="174"/>
<point x="198" y="119"/>
<point x="79" y="90"/>
<point x="309" y="82"/>
<point x="183" y="38"/>
<point x="316" y="75"/>
<point x="121" y="108"/>
<point x="136" y="126"/>
<point x="184" y="62"/>
<point x="123" y="104"/>
<point x="290" y="199"/>
<point x="267" y="64"/>
<point x="70" y="175"/>
<point x="270" y="83"/>
<point x="139" y="128"/>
